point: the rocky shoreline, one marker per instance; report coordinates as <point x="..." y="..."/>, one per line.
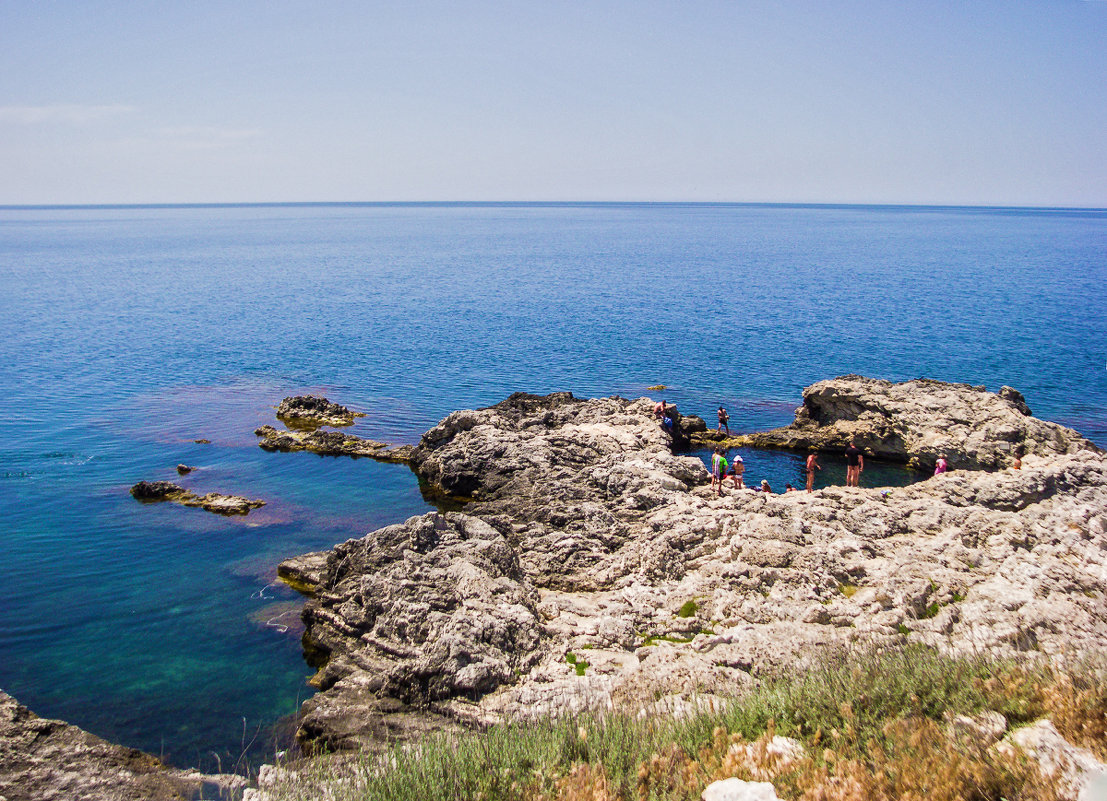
<point x="592" y="567"/>
<point x="585" y="535"/>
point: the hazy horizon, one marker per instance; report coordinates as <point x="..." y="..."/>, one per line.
<point x="993" y="103"/>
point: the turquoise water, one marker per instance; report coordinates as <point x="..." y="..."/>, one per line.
<point x="127" y="333"/>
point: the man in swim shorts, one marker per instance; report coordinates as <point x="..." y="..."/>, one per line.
<point x="724" y="421"/>
<point x="812" y="466"/>
<point x="855" y="463"/>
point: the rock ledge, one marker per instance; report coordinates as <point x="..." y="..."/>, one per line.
<point x="918" y="421"/>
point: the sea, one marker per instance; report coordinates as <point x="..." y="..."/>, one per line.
<point x="128" y="333"/>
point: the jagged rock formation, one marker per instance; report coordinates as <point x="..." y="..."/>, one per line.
<point x="573" y="477"/>
<point x="431" y="609"/>
<point x="312" y="411"/>
<point x="48" y="760"/>
<point x="918" y="421"/>
<point x="612" y="550"/>
<point x="330" y="443"/>
<point x="152" y="491"/>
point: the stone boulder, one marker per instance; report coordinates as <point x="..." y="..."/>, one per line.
<point x="738" y="790"/>
<point x="918" y="421"/>
<point x="314" y="411"/>
<point x="48" y="760"/>
<point x="1076" y="770"/>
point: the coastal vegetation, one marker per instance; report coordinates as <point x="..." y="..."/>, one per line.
<point x="866" y="724"/>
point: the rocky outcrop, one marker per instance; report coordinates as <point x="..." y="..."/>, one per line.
<point x="304" y="573"/>
<point x="592" y="566"/>
<point x="572" y="476"/>
<point x="153" y="491"/>
<point x="48" y="760"/>
<point x="312" y="411"/>
<point x="918" y="421"/>
<point x="415" y="613"/>
<point x="330" y="443"/>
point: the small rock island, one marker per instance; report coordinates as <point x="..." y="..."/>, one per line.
<point x="153" y="491"/>
<point x="916" y="422"/>
<point x="313" y="411"/>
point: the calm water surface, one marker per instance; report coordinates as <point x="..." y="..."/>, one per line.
<point x="127" y="333"/>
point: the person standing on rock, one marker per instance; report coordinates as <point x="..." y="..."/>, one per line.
<point x="855" y="463"/>
<point x="941" y="466"/>
<point x="812" y="466"/>
<point x="738" y="467"/>
<point x="724" y="421"/>
<point x="718" y="470"/>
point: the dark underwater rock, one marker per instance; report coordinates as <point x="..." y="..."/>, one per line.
<point x="156" y="490"/>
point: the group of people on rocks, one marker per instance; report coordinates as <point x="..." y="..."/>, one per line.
<point x="722" y="469"/>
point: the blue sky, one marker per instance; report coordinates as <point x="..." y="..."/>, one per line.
<point x="957" y="102"/>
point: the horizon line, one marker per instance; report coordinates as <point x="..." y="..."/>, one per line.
<point x="536" y="203"/>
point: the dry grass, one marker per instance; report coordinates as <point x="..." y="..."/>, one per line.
<point x="1076" y="702"/>
<point x="873" y="726"/>
<point x="916" y="761"/>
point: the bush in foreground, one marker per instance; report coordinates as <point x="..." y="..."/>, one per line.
<point x="874" y="725"/>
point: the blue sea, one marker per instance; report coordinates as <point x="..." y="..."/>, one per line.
<point x="126" y="333"/>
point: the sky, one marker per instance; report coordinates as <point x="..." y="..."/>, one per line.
<point x="965" y="102"/>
